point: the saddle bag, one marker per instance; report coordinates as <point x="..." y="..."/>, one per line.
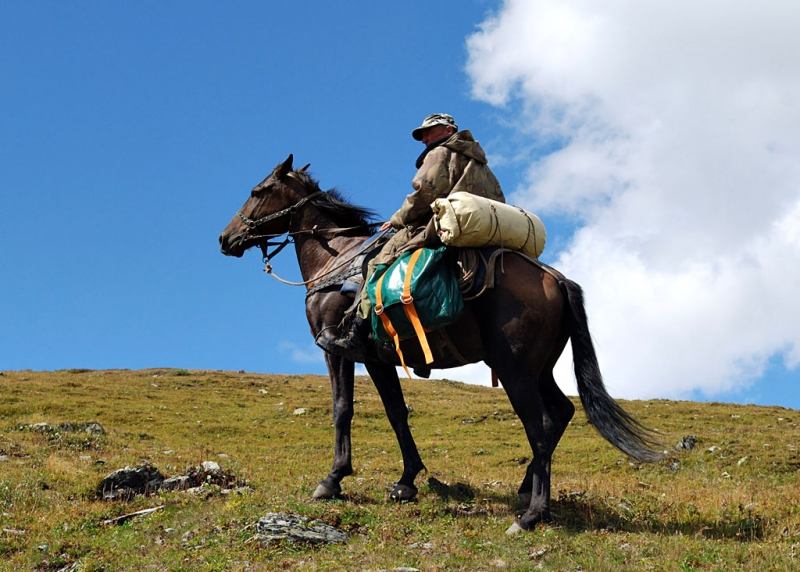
<point x="418" y="293"/>
<point x="467" y="220"/>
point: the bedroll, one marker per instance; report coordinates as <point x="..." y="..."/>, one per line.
<point x="470" y="221"/>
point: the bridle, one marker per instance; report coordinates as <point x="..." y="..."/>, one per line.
<point x="263" y="240"/>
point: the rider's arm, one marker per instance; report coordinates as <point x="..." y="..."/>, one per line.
<point x="431" y="182"/>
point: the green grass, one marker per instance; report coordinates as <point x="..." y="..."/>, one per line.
<point x="735" y="508"/>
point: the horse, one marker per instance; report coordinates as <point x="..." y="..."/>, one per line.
<point x="519" y="329"/>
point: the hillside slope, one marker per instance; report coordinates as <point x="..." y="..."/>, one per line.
<point x="730" y="503"/>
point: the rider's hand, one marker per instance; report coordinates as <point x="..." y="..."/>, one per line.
<point x="386" y="226"/>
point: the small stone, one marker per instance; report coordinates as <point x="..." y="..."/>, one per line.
<point x="741" y="461"/>
<point x="300" y="411"/>
<point x="536" y="555"/>
<point x="712" y="449"/>
<point x="210" y="466"/>
<point x="85" y="458"/>
<point x="296" y="528"/>
<point x="179" y="483"/>
<point x="688" y="443"/>
<point x="130" y="481"/>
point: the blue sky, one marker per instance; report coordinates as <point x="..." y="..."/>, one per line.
<point x="132" y="132"/>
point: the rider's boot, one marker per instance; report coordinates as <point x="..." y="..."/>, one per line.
<point x="352" y="343"/>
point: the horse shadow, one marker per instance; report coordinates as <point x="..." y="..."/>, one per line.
<point x="578" y="512"/>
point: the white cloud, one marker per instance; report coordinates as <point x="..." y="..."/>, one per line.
<point x="677" y="128"/>
<point x="305" y="354"/>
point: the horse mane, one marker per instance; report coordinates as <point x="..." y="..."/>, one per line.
<point x="342" y="212"/>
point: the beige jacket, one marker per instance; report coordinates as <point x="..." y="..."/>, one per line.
<point x="458" y="164"/>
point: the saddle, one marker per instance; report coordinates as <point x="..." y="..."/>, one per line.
<point x="474" y="272"/>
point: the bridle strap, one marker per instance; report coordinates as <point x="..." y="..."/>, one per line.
<point x="264" y="242"/>
<point x="254" y="224"/>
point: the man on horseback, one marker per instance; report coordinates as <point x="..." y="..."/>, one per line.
<point x="452" y="161"/>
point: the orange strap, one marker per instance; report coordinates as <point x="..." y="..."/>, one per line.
<point x="410" y="311"/>
<point x="387" y="323"/>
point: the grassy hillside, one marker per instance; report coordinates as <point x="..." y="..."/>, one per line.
<point x="731" y="503"/>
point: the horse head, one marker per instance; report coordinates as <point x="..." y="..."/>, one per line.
<point x="267" y="213"/>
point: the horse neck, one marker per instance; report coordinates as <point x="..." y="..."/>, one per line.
<point x="318" y="253"/>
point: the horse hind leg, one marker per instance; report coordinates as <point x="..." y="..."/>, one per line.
<point x="559" y="412"/>
<point x="545" y="413"/>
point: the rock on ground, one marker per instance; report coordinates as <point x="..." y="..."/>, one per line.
<point x="296" y="528"/>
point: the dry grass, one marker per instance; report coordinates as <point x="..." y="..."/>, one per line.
<point x="735" y="508"/>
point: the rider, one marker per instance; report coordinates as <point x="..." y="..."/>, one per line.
<point x="452" y="161"/>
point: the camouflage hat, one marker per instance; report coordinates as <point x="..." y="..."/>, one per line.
<point x="431" y="120"/>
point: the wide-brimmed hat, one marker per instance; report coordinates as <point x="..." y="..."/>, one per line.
<point x="431" y="120"/>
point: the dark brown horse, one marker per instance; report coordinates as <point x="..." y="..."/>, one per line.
<point x="519" y="329"/>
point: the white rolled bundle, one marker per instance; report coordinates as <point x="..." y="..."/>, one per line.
<point x="467" y="220"/>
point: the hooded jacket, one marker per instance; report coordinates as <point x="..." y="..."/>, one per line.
<point x="457" y="164"/>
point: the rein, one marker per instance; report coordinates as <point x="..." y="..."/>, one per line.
<point x="344" y="263"/>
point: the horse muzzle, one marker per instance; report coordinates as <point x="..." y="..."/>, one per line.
<point x="231" y="245"/>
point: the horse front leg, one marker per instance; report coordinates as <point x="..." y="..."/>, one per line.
<point x="388" y="385"/>
<point x="341" y="372"/>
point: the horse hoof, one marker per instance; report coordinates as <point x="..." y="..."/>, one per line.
<point x="403" y="493"/>
<point x="324" y="492"/>
<point x="515" y="528"/>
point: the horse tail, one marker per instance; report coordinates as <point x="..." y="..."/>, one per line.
<point x="614" y="423"/>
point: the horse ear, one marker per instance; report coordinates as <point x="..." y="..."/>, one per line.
<point x="285" y="167"/>
<point x="303" y="170"/>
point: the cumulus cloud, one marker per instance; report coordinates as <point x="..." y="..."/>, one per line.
<point x="674" y="137"/>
